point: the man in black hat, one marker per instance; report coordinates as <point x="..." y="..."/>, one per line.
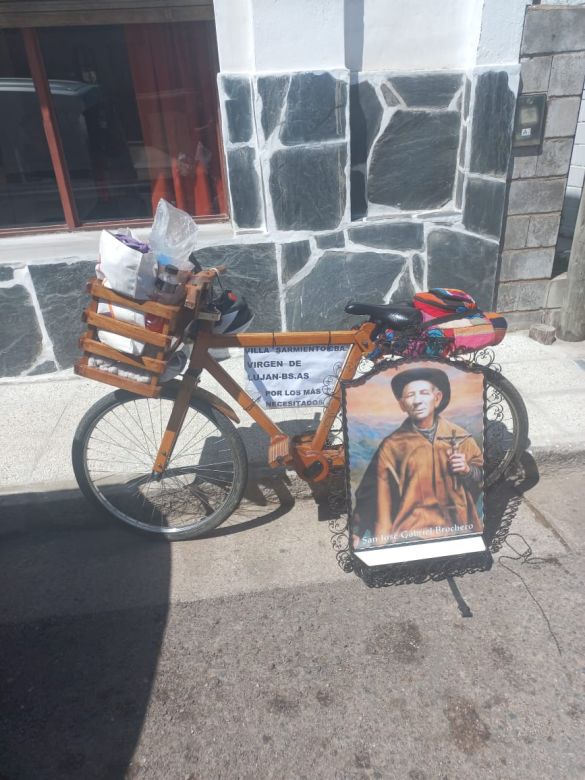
<point x="425" y="478"/>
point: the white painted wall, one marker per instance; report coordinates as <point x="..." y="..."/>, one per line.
<point x="298" y="34"/>
<point x="235" y="43"/>
<point x="502" y="23"/>
<point x="368" y="35"/>
<point x="420" y="34"/>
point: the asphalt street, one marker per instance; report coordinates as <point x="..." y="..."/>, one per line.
<point x="250" y="654"/>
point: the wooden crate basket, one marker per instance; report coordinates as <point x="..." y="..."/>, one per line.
<point x="157" y="352"/>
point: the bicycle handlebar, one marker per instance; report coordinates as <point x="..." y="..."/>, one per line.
<point x="200" y="281"/>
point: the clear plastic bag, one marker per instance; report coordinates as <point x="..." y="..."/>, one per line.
<point x="173" y="236"/>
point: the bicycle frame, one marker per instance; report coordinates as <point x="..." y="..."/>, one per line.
<point x="306" y="454"/>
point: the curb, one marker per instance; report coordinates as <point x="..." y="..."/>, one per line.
<point x="558" y="457"/>
<point x="547" y="459"/>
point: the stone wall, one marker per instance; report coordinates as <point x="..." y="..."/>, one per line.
<point x="370" y="185"/>
<point x="366" y="186"/>
<point x="552" y="61"/>
<point x="40" y="316"/>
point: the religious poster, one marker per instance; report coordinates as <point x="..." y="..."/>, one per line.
<point x="293" y="376"/>
<point x="414" y="439"/>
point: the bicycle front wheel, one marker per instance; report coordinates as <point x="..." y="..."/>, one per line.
<point x="115" y="447"/>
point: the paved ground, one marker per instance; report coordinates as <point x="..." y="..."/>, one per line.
<point x="250" y="654"/>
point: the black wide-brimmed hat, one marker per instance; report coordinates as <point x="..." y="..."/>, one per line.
<point x="434" y="375"/>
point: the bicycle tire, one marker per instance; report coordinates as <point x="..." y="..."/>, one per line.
<point x="499" y="460"/>
<point x="189" y="478"/>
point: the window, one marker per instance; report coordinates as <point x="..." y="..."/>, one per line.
<point x="99" y="122"/>
<point x="28" y="186"/>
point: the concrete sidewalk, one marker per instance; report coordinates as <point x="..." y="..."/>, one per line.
<point x="40" y="415"/>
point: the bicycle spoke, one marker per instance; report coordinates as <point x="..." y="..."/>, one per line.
<point x="133" y="437"/>
<point x="190" y="440"/>
<point x="119" y="454"/>
<point x="142" y="429"/>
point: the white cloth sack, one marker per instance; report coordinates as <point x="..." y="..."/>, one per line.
<point x="128" y="271"/>
<point x="121" y="343"/>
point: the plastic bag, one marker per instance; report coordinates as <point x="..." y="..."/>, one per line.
<point x="173" y="236"/>
<point x="128" y="270"/>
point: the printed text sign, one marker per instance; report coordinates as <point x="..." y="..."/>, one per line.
<point x="292" y="376"/>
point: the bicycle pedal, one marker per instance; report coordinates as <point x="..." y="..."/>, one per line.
<point x="279" y="453"/>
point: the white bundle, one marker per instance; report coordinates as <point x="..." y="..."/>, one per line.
<point x="121" y="313"/>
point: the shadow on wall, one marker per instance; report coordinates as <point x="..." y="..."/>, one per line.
<point x="354" y="60"/>
<point x="354" y="34"/>
<point x="83" y="609"/>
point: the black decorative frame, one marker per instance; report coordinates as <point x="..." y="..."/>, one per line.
<point x="501" y="500"/>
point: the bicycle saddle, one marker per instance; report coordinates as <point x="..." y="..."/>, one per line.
<point x="398" y="316"/>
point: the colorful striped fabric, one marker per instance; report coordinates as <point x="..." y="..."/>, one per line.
<point x="442" y="300"/>
<point x="468" y="334"/>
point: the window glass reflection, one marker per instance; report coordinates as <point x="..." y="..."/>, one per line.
<point x="137" y="114"/>
<point x="28" y="188"/>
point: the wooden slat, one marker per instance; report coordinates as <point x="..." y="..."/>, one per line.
<point x="160" y="355"/>
<point x="48" y="13"/>
<point x="50" y="125"/>
<point x="149" y="391"/>
<point x="142" y="363"/>
<point x="304" y="339"/>
<point x="126" y="329"/>
<point x="97" y="289"/>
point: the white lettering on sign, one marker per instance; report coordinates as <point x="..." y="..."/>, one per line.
<point x="293" y="376"/>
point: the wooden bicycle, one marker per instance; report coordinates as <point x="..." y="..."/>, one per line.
<point x="167" y="459"/>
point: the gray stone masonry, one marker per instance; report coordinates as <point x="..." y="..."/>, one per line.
<point x="516" y="232"/>
<point x="533" y="196"/>
<point x="527" y="231"/>
<point x="522" y="320"/>
<point x="553" y="160"/>
<point x="567" y="74"/>
<point x="535" y="74"/>
<point x="543" y="230"/>
<point x="561" y="116"/>
<point x="524" y="166"/>
<point x="526" y="264"/>
<point x="555" y="157"/>
<point x="553" y="62"/>
<point x="517" y="296"/>
<point x="553" y="29"/>
<point x="554" y="295"/>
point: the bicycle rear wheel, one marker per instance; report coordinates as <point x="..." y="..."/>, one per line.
<point x="506" y="426"/>
<point x="115" y="446"/>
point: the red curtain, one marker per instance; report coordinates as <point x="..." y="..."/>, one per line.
<point x="174" y="70"/>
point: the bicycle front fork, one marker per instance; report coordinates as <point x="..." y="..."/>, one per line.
<point x="175" y="423"/>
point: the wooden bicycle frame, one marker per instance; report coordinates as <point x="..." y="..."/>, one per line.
<point x="306" y="454"/>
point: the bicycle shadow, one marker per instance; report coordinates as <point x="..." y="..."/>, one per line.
<point x="83" y="609"/>
<point x="276" y="491"/>
<point x="269" y="493"/>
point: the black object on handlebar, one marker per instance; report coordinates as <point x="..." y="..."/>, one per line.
<point x="197" y="267"/>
